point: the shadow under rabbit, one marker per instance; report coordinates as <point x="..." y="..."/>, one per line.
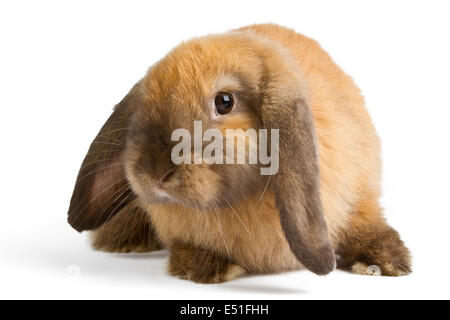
<point x="260" y="289"/>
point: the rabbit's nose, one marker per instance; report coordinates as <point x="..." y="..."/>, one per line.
<point x="165" y="178"/>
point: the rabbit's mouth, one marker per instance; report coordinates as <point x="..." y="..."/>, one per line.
<point x="195" y="186"/>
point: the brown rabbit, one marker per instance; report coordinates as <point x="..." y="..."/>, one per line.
<point x="220" y="221"/>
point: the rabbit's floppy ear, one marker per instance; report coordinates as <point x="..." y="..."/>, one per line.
<point x="296" y="185"/>
<point x="102" y="189"/>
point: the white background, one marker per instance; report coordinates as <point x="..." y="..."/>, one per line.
<point x="63" y="65"/>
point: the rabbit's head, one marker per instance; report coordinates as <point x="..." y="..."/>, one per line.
<point x="213" y="84"/>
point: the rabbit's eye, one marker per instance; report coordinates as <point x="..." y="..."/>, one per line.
<point x="224" y="102"/>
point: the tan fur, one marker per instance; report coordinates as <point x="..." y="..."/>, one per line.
<point x="349" y="149"/>
<point x="247" y="233"/>
<point x="349" y="164"/>
<point x="200" y="265"/>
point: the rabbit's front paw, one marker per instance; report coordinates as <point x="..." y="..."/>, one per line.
<point x="201" y="266"/>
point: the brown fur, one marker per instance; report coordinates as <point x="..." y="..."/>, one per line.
<point x="325" y="195"/>
<point x="202" y="266"/>
<point x="369" y="240"/>
<point x="129" y="231"/>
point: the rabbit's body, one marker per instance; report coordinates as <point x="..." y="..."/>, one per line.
<point x="249" y="233"/>
<point x="348" y="146"/>
<point x="220" y="242"/>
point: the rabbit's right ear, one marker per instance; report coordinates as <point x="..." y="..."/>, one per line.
<point x="102" y="189"/>
<point x="297" y="184"/>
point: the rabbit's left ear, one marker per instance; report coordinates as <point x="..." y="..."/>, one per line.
<point x="297" y="185"/>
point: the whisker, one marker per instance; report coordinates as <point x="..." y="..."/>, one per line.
<point x="104" y="151"/>
<point x="93" y="162"/>
<point x="200" y="220"/>
<point x="97" y="196"/>
<point x="127" y="197"/>
<point x="109" y="132"/>
<point x="106" y="142"/>
<point x="222" y="234"/>
<point x="97" y="170"/>
<point x="99" y="184"/>
<point x="139" y="221"/>
<point x="122" y="190"/>
<point x="265" y="188"/>
<point x="123" y="230"/>
<point x="237" y="215"/>
<point x="147" y="229"/>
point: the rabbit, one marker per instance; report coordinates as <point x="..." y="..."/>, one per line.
<point x="319" y="211"/>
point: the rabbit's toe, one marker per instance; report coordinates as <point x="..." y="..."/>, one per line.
<point x="387" y="269"/>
